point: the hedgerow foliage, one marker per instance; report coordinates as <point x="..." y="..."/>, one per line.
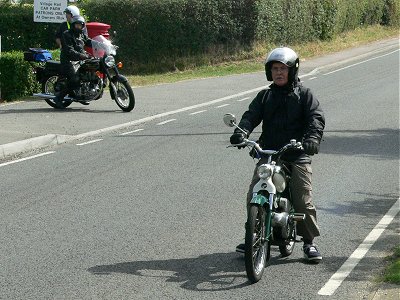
<point x="155" y="35"/>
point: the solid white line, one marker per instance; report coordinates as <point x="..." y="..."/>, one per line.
<point x="243" y="99"/>
<point x="129" y="132"/>
<point x="336" y="280"/>
<point x="89" y="142"/>
<point x="197" y="112"/>
<point x="167" y="121"/>
<point x="361" y="62"/>
<point x="223" y="105"/>
<point x="312" y="78"/>
<point x="26" y="158"/>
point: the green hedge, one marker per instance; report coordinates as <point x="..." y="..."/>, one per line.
<point x="16" y="77"/>
<point x="159" y="35"/>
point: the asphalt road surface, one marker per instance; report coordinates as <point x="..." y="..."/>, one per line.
<point x="155" y="210"/>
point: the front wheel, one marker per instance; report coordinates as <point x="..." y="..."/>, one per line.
<point x="257" y="248"/>
<point x="124" y="96"/>
<point x="49" y="87"/>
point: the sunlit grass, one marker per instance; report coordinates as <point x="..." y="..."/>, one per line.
<point x="392" y="272"/>
<point x="252" y="61"/>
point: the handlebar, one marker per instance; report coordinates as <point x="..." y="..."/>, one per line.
<point x="292" y="145"/>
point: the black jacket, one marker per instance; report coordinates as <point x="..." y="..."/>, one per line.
<point x="72" y="46"/>
<point x="286" y="114"/>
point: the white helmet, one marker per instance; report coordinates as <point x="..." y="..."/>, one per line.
<point x="73" y="10"/>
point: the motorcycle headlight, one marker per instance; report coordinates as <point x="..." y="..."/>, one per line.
<point x="264" y="171"/>
<point x="109" y="61"/>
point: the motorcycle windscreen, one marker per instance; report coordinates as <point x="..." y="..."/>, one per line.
<point x="102" y="46"/>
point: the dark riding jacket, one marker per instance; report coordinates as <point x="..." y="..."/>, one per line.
<point x="286" y="113"/>
<point x="72" y="46"/>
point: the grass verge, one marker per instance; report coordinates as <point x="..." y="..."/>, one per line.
<point x="392" y="271"/>
<point x="252" y="61"/>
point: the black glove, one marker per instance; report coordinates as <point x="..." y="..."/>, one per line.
<point x="311" y="146"/>
<point x="238" y="138"/>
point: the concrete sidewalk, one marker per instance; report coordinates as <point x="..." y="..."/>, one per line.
<point x="31" y="124"/>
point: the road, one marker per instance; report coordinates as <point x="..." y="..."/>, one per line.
<point x="154" y="210"/>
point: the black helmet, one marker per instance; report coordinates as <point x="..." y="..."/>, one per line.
<point x="78" y="20"/>
<point x="285" y="56"/>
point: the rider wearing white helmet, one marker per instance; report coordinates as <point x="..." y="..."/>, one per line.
<point x="70" y="12"/>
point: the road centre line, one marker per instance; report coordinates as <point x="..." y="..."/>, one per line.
<point x="89" y="142"/>
<point x="240" y="100"/>
<point x="133" y="131"/>
<point x="26" y="158"/>
<point x="197" y="112"/>
<point x="336" y="280"/>
<point x="159" y="116"/>
<point x="167" y="121"/>
<point x="223" y="105"/>
<point x="361" y="62"/>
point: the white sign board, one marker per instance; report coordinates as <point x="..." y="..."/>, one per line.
<point x="49" y="11"/>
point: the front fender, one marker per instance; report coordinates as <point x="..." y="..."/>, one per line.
<point x="119" y="78"/>
<point x="259" y="199"/>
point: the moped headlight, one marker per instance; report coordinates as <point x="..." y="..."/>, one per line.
<point x="264" y="171"/>
<point x="109" y="61"/>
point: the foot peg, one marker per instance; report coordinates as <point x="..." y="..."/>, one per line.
<point x="298" y="217"/>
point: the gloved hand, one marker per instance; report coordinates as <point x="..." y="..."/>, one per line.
<point x="238" y="138"/>
<point x="311" y="146"/>
<point x="84" y="56"/>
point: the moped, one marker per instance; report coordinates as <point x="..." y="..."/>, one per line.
<point x="271" y="219"/>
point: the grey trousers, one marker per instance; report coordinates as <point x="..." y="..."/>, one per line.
<point x="301" y="189"/>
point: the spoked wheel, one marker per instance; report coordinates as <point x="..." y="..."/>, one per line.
<point x="48" y="87"/>
<point x="287" y="249"/>
<point x="124" y="98"/>
<point x="257" y="249"/>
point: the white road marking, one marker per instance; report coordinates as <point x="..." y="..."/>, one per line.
<point x="167" y="121"/>
<point x="240" y="100"/>
<point x="26" y="158"/>
<point x="336" y="280"/>
<point x="197" y="112"/>
<point x="158" y="116"/>
<point x="133" y="131"/>
<point x="361" y="62"/>
<point x="89" y="142"/>
<point x="312" y="78"/>
<point x="223" y="105"/>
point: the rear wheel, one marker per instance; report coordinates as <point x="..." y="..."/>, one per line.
<point x="124" y="97"/>
<point x="49" y="87"/>
<point x="257" y="248"/>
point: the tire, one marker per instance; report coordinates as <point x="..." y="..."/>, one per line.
<point x="287" y="249"/>
<point x="48" y="87"/>
<point x="124" y="98"/>
<point x="257" y="248"/>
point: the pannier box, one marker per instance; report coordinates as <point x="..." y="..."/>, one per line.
<point x="37" y="54"/>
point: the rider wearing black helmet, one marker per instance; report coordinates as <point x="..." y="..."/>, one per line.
<point x="288" y="111"/>
<point x="73" y="42"/>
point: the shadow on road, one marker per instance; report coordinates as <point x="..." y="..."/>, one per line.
<point x="381" y="143"/>
<point x="211" y="272"/>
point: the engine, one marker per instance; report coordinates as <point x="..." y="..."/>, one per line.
<point x="91" y="86"/>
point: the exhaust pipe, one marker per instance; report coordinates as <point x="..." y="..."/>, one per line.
<point x="49" y="96"/>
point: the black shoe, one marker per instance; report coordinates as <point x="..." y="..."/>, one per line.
<point x="311" y="253"/>
<point x="240" y="248"/>
<point x="84" y="102"/>
<point x="58" y="100"/>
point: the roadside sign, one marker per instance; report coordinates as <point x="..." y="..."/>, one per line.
<point x="49" y="11"/>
